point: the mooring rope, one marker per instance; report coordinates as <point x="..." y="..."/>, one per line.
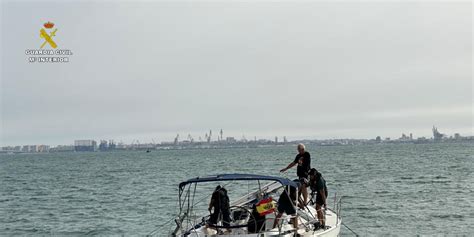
<point x="159" y="228"/>
<point x="350" y="229"/>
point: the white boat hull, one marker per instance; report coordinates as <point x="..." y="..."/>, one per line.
<point x="333" y="224"/>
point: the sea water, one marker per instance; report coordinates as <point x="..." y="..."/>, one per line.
<point x="389" y="189"/>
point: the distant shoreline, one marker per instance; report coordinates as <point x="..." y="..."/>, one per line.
<point x="240" y="145"/>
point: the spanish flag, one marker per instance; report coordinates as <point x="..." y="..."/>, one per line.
<point x="266" y="206"/>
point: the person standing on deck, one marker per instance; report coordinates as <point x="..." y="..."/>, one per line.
<point x="303" y="160"/>
<point x="318" y="185"/>
<point x="220" y="203"/>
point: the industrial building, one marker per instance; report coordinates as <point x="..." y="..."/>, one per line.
<point x="85" y="145"/>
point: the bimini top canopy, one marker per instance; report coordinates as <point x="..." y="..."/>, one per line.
<point x="231" y="177"/>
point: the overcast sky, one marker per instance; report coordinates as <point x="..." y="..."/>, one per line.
<point x="144" y="70"/>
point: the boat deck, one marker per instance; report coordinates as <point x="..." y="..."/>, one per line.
<point x="306" y="219"/>
<point x="240" y="225"/>
<point x="286" y="229"/>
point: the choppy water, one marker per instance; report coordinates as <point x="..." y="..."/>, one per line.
<point x="389" y="189"/>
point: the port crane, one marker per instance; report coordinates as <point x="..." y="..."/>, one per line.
<point x="190" y="138"/>
<point x="176" y="139"/>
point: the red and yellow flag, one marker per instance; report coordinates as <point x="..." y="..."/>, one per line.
<point x="266" y="206"/>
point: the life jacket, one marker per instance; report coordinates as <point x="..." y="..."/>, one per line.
<point x="224" y="199"/>
<point x="220" y="200"/>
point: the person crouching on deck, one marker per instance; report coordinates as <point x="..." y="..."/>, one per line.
<point x="286" y="204"/>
